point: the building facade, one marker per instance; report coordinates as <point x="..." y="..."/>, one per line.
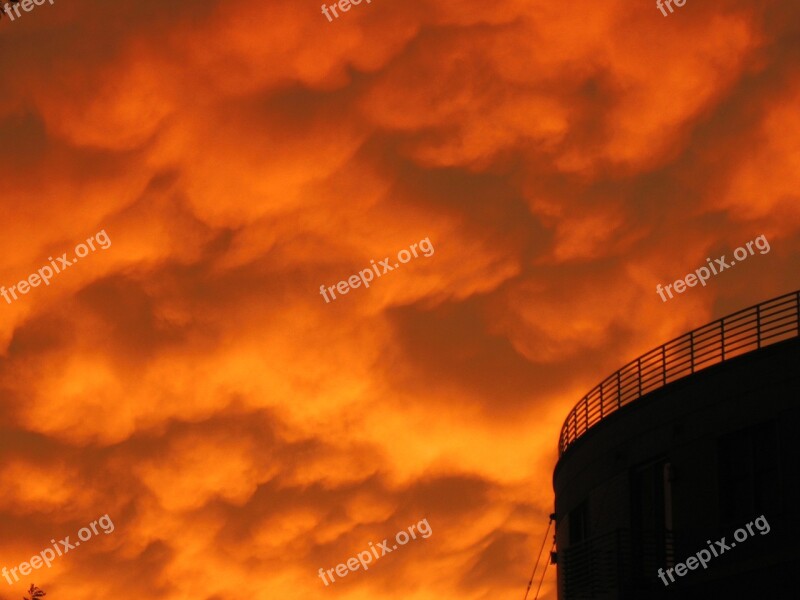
<point x="679" y="475"/>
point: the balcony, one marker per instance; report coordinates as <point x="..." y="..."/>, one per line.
<point x="744" y="331"/>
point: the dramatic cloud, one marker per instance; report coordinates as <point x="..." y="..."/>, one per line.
<point x="191" y="382"/>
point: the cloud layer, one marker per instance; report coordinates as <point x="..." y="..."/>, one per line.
<point x="191" y="381"/>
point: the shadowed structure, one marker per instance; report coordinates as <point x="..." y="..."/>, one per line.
<point x="682" y="447"/>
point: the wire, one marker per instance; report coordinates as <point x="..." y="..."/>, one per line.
<point x="538" y="557"/>
<point x="543" y="572"/>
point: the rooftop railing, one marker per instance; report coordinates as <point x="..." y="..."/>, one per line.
<point x="756" y="327"/>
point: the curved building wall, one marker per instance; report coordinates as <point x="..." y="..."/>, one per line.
<point x="690" y="463"/>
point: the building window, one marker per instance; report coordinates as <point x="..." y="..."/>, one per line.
<point x="749" y="473"/>
<point x="651" y="519"/>
<point x="579" y="523"/>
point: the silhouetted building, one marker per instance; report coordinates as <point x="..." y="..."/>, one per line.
<point x="690" y="443"/>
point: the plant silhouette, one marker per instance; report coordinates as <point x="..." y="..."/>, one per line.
<point x="34" y="593"/>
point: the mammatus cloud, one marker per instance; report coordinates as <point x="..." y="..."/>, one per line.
<point x="191" y="382"/>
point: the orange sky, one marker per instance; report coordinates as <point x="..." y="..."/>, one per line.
<point x="191" y="382"/>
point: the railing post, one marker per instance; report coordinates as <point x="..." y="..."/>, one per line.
<point x="664" y="362"/>
<point x="619" y="390"/>
<point x="691" y="350"/>
<point x="639" y="377"/>
<point x="586" y="407"/>
<point x="722" y="337"/>
<point x="574" y="426"/>
<point x="601" y="400"/>
<point x="758" y="326"/>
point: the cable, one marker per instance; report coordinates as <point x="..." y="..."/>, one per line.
<point x="543" y="572"/>
<point x="538" y="556"/>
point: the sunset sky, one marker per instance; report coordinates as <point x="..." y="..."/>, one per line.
<point x="191" y="382"/>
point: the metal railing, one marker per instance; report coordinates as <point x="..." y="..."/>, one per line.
<point x="756" y="327"/>
<point x="597" y="567"/>
<point x="616" y="564"/>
